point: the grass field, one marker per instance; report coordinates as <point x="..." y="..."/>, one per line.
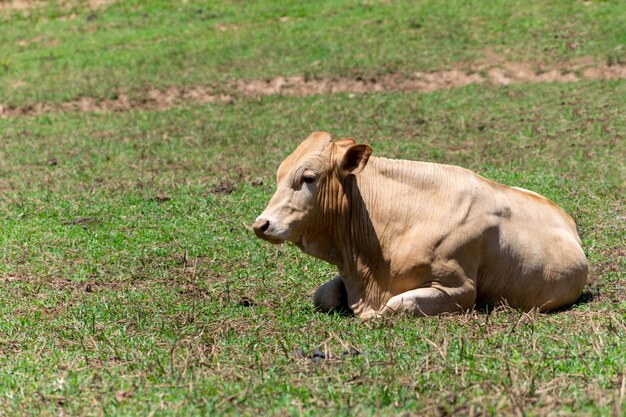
<point x="131" y="283"/>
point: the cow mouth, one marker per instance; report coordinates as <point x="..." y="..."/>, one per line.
<point x="274" y="241"/>
<point x="268" y="238"/>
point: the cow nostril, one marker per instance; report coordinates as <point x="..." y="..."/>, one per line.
<point x="260" y="226"/>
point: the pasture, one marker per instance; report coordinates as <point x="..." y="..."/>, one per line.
<point x="139" y="141"/>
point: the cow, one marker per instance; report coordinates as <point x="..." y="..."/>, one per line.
<point x="420" y="238"/>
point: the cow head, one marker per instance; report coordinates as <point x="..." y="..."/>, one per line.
<point x="309" y="187"/>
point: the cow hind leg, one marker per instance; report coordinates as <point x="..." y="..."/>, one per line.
<point x="332" y="297"/>
<point x="429" y="302"/>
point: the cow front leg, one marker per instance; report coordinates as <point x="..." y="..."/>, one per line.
<point x="332" y="296"/>
<point x="430" y="301"/>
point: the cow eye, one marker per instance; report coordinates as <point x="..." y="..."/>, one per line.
<point x="309" y="178"/>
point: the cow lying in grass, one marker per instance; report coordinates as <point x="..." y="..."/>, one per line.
<point x="420" y="238"/>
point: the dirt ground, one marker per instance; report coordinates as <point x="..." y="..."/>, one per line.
<point x="30" y="4"/>
<point x="493" y="70"/>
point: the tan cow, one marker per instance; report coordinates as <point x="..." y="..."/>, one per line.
<point x="420" y="238"/>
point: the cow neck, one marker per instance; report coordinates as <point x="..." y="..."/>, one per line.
<point x="318" y="240"/>
<point x="354" y="232"/>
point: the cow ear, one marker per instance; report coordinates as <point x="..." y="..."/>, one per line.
<point x="345" y="143"/>
<point x="355" y="159"/>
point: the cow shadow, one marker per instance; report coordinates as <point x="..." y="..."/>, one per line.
<point x="589" y="295"/>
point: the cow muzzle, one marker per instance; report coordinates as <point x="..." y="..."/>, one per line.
<point x="264" y="229"/>
<point x="260" y="226"/>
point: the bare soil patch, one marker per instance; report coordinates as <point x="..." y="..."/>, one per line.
<point x="155" y="100"/>
<point x="490" y="72"/>
<point x="19" y="4"/>
<point x="501" y="73"/>
<point x="32" y="4"/>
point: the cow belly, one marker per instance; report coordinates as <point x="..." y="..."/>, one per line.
<point x="542" y="268"/>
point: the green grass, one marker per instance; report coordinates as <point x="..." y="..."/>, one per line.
<point x="58" y="52"/>
<point x="131" y="285"/>
<point x="175" y="306"/>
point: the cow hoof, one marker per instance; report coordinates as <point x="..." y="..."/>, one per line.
<point x="370" y="315"/>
